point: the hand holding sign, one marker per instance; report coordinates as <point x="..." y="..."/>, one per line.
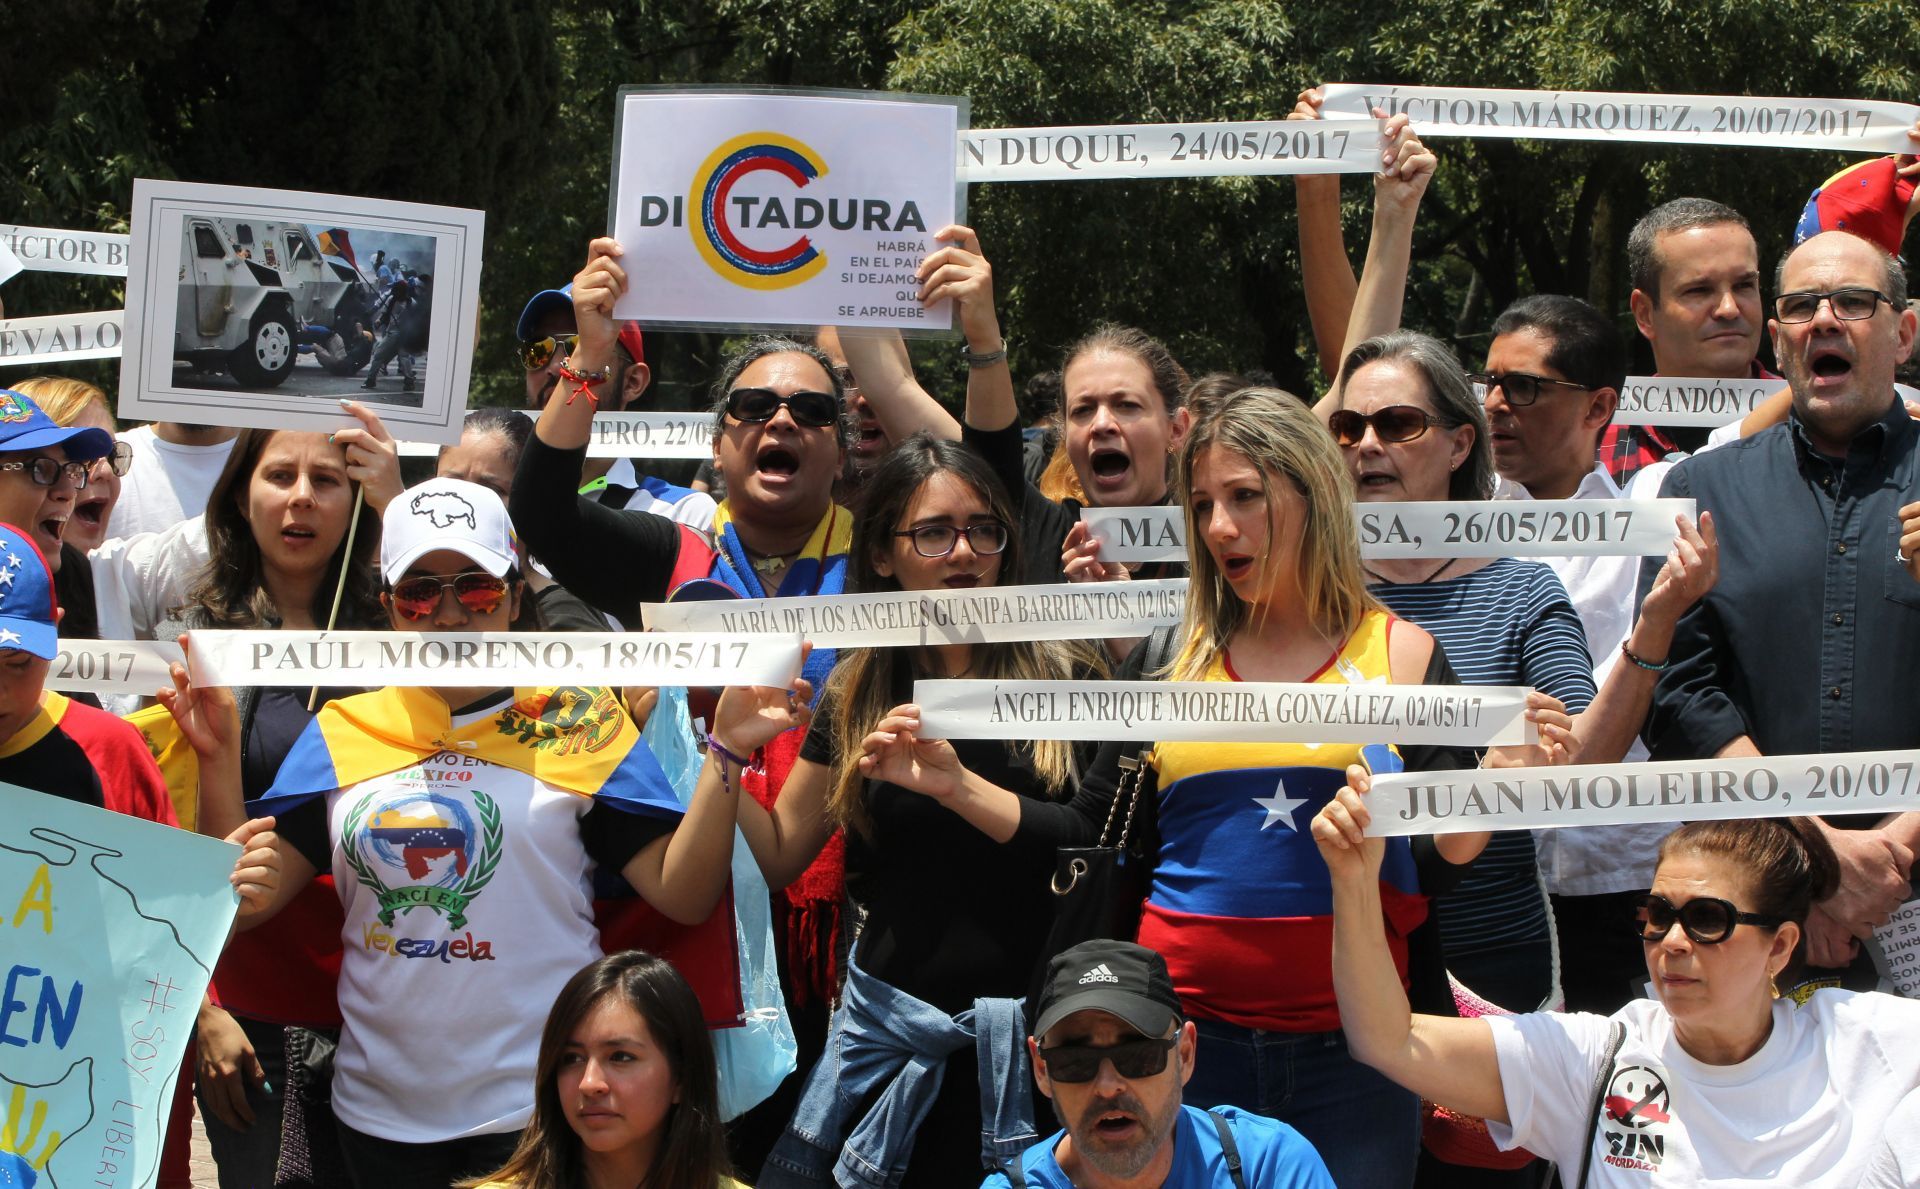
<point x="1340" y="831"/>
<point x="1407" y="167"/>
<point x="894" y="753"/>
<point x="373" y="459"/>
<point x="1080" y="558"/>
<point x="256" y="873"/>
<point x="1692" y="567"/>
<point x="751" y="716"/>
<point x="959" y="270"/>
<point x="595" y="290"/>
<point x="1557" y="743"/>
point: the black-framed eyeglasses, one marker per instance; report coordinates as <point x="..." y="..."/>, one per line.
<point x="1522" y="388"/>
<point x="816" y="410"/>
<point x="1706" y="919"/>
<point x="538" y="353"/>
<point x="120" y="461"/>
<point x="1849" y="305"/>
<point x="1143" y="1058"/>
<point x="1395" y="423"/>
<point x="45" y="472"/>
<point x="987" y="537"/>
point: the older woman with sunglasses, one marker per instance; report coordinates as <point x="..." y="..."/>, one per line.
<point x="464" y="826"/>
<point x="1713" y="1081"/>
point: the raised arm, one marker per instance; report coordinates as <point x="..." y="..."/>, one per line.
<point x="785" y="839"/>
<point x="1448" y="1061"/>
<point x="960" y="271"/>
<point x="1610" y="725"/>
<point x="884" y="372"/>
<point x="1325" y="271"/>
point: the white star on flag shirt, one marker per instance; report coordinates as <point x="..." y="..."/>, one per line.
<point x="1280" y="807"/>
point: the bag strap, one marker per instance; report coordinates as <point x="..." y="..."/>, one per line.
<point x="1229" y="1149"/>
<point x="1616" y="1037"/>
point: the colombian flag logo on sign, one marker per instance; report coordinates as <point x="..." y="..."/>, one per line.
<point x="715" y="235"/>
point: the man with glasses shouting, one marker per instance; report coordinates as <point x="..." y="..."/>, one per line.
<point x="547" y="337"/>
<point x="1810" y="639"/>
<point x="1111" y="1051"/>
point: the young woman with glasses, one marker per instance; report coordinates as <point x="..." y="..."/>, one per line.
<point x="1715" y="1080"/>
<point x="954" y="910"/>
<point x="463" y="828"/>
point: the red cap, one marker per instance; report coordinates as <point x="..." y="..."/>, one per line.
<point x="1869" y="199"/>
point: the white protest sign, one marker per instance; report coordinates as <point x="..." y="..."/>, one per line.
<point x="490" y="659"/>
<point x="30" y="342"/>
<point x="1126" y="151"/>
<point x="1896" y="949"/>
<point x="1610" y="794"/>
<point x="1439" y="528"/>
<point x="629" y="435"/>
<point x="1849" y="125"/>
<point x="1225" y="712"/>
<point x="1690" y="400"/>
<point x="1519" y="528"/>
<point x="781" y="209"/>
<point x="898" y="619"/>
<point x="48" y="249"/>
<point x="113" y="666"/>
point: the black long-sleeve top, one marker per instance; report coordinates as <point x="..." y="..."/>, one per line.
<point x="614" y="558"/>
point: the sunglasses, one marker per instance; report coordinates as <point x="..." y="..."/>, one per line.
<point x="1395" y="423"/>
<point x="478" y="592"/>
<point x="1707" y="920"/>
<point x="1520" y="387"/>
<point x="1131" y="1059"/>
<point x="538" y="353"/>
<point x="1849" y="305"/>
<point x="816" y="410"/>
<point x="937" y="540"/>
<point x="121" y="460"/>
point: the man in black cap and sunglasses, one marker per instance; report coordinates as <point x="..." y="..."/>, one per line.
<point x="1111" y="1050"/>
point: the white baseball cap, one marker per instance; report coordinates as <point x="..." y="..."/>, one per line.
<point x="446" y="514"/>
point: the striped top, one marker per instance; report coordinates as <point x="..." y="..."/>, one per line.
<point x="1508" y="623"/>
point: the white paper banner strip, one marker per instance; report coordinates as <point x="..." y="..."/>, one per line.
<point x="1125" y="151"/>
<point x="34" y="341"/>
<point x="113" y="666"/>
<point x="1849" y="125"/>
<point x="1612" y="794"/>
<point x="629" y="435"/>
<point x="1224" y="712"/>
<point x="899" y="619"/>
<point x="1441" y="528"/>
<point x="48" y="249"/>
<point x="1677" y="400"/>
<point x="490" y="659"/>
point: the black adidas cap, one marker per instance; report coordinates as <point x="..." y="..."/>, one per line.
<point x="1119" y="977"/>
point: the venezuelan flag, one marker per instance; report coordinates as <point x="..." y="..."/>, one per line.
<point x="572" y="738"/>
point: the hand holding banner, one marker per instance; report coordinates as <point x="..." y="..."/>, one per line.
<point x="903" y="619"/>
<point x="1225" y="712"/>
<point x="1849" y="125"/>
<point x="490" y="660"/>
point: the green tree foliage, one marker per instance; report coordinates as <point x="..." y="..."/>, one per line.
<point x="507" y="106"/>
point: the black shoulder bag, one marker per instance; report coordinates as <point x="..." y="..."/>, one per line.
<point x="1597" y="1100"/>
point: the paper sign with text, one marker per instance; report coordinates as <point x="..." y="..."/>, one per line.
<point x="1849" y="125"/>
<point x="788" y="209"/>
<point x="1061" y="611"/>
<point x="490" y="660"/>
<point x="1439" y="528"/>
<point x="113" y="666"/>
<point x="628" y="435"/>
<point x="1225" y="712"/>
<point x="1126" y="151"/>
<point x="1673" y="791"/>
<point x="111" y="928"/>
<point x="49" y="249"/>
<point x="60" y="338"/>
<point x="1896" y="949"/>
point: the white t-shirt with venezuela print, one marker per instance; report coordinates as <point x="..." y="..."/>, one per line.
<point x="468" y="895"/>
<point x="1809" y="1109"/>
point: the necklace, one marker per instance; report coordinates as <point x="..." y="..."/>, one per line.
<point x="767" y="565"/>
<point x="1382" y="578"/>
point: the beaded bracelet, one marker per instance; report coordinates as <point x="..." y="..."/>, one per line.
<point x="583" y="384"/>
<point x="1648" y="665"/>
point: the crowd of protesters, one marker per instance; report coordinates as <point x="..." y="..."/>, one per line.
<point x="1282" y="1000"/>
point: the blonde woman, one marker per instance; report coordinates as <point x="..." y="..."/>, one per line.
<point x="72" y="403"/>
<point x="956" y="906"/>
<point x="1240" y="903"/>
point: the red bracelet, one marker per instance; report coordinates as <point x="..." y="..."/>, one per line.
<point x="583" y="384"/>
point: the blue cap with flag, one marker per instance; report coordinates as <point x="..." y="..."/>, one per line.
<point x="27" y="620"/>
<point x="24" y="427"/>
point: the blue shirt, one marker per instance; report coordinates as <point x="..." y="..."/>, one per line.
<point x="1272" y="1156"/>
